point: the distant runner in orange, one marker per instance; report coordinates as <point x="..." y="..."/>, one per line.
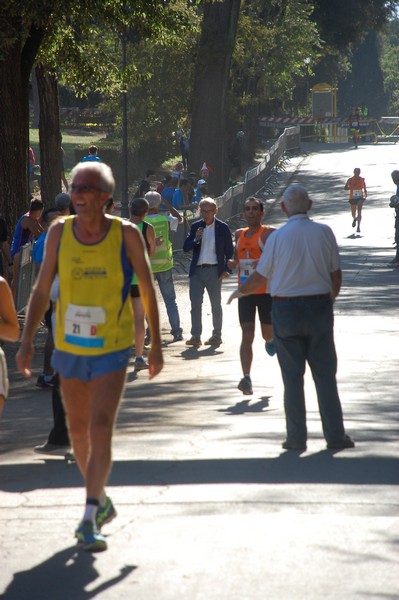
<point x="357" y="195"/>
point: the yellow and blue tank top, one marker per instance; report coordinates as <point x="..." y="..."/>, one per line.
<point x="93" y="312"/>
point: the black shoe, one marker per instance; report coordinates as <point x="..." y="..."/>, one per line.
<point x="43" y="384"/>
<point x="51" y="449"/>
<point x="214" y="340"/>
<point x="245" y="386"/>
<point x="289" y="445"/>
<point x="194" y="341"/>
<point x="346" y="442"/>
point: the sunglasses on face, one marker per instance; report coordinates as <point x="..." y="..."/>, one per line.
<point x="84" y="188"/>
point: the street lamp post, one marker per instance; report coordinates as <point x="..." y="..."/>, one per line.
<point x="125" y="169"/>
<point x="307" y="63"/>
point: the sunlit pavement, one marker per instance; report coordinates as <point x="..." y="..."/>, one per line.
<point x="210" y="507"/>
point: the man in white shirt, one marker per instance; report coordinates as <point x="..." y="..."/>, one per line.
<point x="301" y="264"/>
<point x="210" y="241"/>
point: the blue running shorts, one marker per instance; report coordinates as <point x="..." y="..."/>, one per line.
<point x="86" y="368"/>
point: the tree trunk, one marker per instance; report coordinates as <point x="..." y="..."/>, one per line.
<point x="49" y="134"/>
<point x="215" y="49"/>
<point x="35" y="97"/>
<point x="15" y="67"/>
<point x="14" y="138"/>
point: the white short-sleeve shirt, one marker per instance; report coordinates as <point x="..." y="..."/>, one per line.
<point x="298" y="258"/>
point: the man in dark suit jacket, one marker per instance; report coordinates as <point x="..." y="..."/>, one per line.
<point x="212" y="246"/>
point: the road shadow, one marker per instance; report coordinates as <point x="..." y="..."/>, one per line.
<point x="63" y="576"/>
<point x="324" y="467"/>
<point x="244" y="406"/>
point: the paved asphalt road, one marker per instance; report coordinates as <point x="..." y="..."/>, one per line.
<point x="210" y="507"/>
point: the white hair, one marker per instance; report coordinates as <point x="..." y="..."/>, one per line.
<point x="106" y="177"/>
<point x="153" y="199"/>
<point x="296" y="200"/>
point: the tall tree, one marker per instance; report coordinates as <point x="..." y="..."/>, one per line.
<point x="214" y="54"/>
<point x="19" y="44"/>
<point x="26" y="26"/>
<point x="273" y="41"/>
<point x="343" y="26"/>
<point x="365" y="82"/>
<point x="49" y="134"/>
<point x="390" y="64"/>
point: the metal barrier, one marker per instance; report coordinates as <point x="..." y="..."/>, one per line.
<point x="26" y="277"/>
<point x="232" y="201"/>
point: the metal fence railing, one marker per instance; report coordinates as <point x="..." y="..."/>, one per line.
<point x="26" y="277"/>
<point x="232" y="201"/>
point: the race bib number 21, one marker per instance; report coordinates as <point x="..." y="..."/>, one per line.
<point x="81" y="325"/>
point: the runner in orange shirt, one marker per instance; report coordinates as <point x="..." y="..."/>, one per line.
<point x="357" y="195"/>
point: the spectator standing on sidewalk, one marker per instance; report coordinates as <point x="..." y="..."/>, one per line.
<point x="46" y="379"/>
<point x="145" y="184"/>
<point x="210" y="241"/>
<point x="58" y="441"/>
<point x="92" y="250"/>
<point x="138" y="212"/>
<point x="27" y="228"/>
<point x="162" y="261"/>
<point x="301" y="264"/>
<point x="250" y="242"/>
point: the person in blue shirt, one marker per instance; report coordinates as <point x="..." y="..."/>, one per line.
<point x="168" y="191"/>
<point x="92" y="156"/>
<point x="180" y="196"/>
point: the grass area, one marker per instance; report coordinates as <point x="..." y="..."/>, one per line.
<point x="71" y="140"/>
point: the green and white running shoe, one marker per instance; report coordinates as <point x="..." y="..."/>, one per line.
<point x="105" y="514"/>
<point x="89" y="537"/>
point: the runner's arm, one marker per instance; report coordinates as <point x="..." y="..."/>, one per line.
<point x="233" y="262"/>
<point x="9" y="328"/>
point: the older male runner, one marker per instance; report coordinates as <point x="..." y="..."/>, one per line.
<point x="93" y="254"/>
<point x="301" y="264"/>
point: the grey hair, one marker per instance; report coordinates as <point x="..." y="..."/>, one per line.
<point x="207" y="200"/>
<point x="153" y="199"/>
<point x="106" y="177"/>
<point x="296" y="200"/>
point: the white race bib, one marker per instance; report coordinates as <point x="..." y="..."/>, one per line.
<point x="247" y="267"/>
<point x="81" y="325"/>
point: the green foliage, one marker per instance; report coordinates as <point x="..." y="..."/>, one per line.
<point x="83" y="49"/>
<point x="343" y="25"/>
<point x="158" y="95"/>
<point x="273" y="40"/>
<point x="390" y="64"/>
